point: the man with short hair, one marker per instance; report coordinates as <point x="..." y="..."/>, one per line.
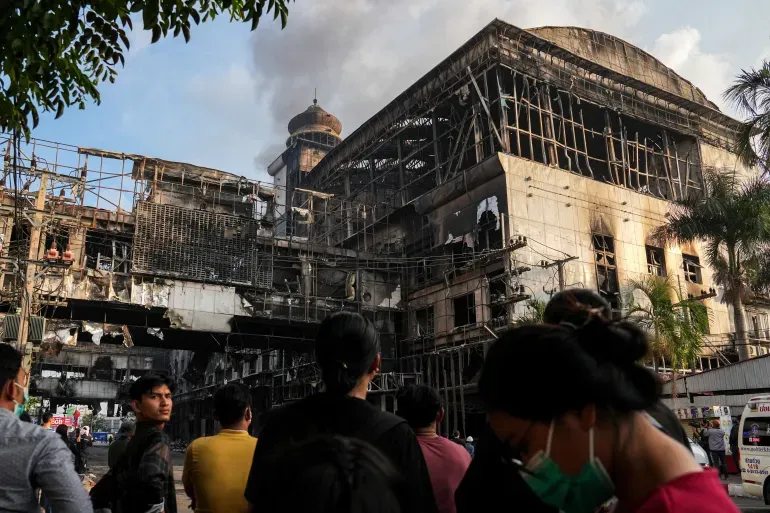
<point x="447" y="461"/>
<point x="118" y="447"/>
<point x="32" y="458"/>
<point x="47" y="419"/>
<point x="217" y="467"/>
<point x="145" y="474"/>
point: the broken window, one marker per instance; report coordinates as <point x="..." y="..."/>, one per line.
<point x="498" y="306"/>
<point x="108" y="251"/>
<point x="423" y="273"/>
<point x="692" y="268"/>
<point x="490" y="234"/>
<point x="656" y="261"/>
<point x="465" y="310"/>
<point x="606" y="269"/>
<point x="425" y="321"/>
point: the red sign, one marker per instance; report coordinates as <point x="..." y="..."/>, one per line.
<point x="58" y="420"/>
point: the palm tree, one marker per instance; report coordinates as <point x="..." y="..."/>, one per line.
<point x="676" y="329"/>
<point x="732" y="220"/>
<point x="750" y="94"/>
<point x="534" y="314"/>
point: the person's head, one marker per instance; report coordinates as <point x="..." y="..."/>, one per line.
<point x="151" y="398"/>
<point x="594" y="385"/>
<point x="126" y="430"/>
<point x="455" y="434"/>
<point x="715" y="424"/>
<point x="469" y="439"/>
<point x="13" y="378"/>
<point x="47" y="418"/>
<point x="26" y="417"/>
<point x="232" y="406"/>
<point x="62" y="431"/>
<point x="420" y="406"/>
<point x="573" y="305"/>
<point x="328" y="474"/>
<point x="348" y="352"/>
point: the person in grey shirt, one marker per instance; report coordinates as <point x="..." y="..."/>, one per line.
<point x="32" y="457"/>
<point x="716" y="438"/>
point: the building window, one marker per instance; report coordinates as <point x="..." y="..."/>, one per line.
<point x="424" y="273"/>
<point x="606" y="269"/>
<point x="465" y="310"/>
<point x="691" y="266"/>
<point x="425" y="320"/>
<point x="656" y="261"/>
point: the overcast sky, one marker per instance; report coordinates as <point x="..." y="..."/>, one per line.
<point x="224" y="99"/>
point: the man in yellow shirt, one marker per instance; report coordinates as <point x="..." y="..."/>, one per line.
<point x="216" y="467"/>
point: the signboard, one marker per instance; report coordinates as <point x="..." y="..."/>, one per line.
<point x="703" y="412"/>
<point x="58" y="420"/>
<point x="99" y="437"/>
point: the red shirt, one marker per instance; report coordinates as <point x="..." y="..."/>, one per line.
<point x="698" y="492"/>
<point x="447" y="463"/>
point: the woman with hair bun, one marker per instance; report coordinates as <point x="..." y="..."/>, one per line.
<point x="579" y="433"/>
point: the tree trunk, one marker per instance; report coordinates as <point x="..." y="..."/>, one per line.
<point x="741" y="341"/>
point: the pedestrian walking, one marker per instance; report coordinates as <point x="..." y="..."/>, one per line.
<point x="216" y="467"/>
<point x="456" y="438"/>
<point x="142" y="480"/>
<point x="47" y="419"/>
<point x="586" y="437"/>
<point x="32" y="458"/>
<point x="469" y="446"/>
<point x="447" y="462"/>
<point x="734" y="435"/>
<point x="331" y="474"/>
<point x="347" y="352"/>
<point x="716" y="438"/>
<point x="118" y="447"/>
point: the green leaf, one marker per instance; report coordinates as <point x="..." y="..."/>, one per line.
<point x="186" y="33"/>
<point x="195" y="16"/>
<point x="124" y="38"/>
<point x="156" y="33"/>
<point x="35" y="117"/>
<point x="59" y="109"/>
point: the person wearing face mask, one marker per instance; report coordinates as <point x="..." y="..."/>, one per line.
<point x="579" y="432"/>
<point x="32" y="458"/>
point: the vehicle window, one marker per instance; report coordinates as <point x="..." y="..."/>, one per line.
<point x="756" y="431"/>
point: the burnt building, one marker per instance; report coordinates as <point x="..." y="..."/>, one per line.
<point x="526" y="162"/>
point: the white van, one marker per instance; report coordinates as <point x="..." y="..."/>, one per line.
<point x="754" y="447"/>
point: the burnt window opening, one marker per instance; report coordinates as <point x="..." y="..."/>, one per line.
<point x="498" y="307"/>
<point x="490" y="234"/>
<point x="462" y="255"/>
<point x="692" y="269"/>
<point x="606" y="270"/>
<point x="656" y="261"/>
<point x="465" y="310"/>
<point x="423" y="273"/>
<point x="425" y="322"/>
<point x="557" y="128"/>
<point x="108" y="251"/>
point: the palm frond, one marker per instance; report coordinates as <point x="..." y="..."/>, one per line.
<point x="750" y="90"/>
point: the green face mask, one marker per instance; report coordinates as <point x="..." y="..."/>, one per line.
<point x="21" y="405"/>
<point x="582" y="493"/>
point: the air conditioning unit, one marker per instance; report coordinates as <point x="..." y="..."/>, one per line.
<point x="12" y="323"/>
<point x="752" y="351"/>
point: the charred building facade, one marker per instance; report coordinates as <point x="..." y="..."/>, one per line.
<point x="526" y="162"/>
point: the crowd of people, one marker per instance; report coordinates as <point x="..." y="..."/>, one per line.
<point x="589" y="435"/>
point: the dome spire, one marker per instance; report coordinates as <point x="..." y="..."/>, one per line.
<point x="315" y="96"/>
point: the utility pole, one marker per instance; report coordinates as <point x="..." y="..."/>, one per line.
<point x="559" y="264"/>
<point x="27" y="300"/>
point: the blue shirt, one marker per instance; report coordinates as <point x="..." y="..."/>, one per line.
<point x="33" y="458"/>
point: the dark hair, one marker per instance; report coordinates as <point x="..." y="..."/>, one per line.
<point x="46" y="417"/>
<point x="10" y="363"/>
<point x="573" y="306"/>
<point x="25" y="417"/>
<point x="594" y="364"/>
<point x="331" y="474"/>
<point x="346" y="346"/>
<point x="418" y="405"/>
<point x="147" y="382"/>
<point x="230" y="403"/>
<point x="61" y="430"/>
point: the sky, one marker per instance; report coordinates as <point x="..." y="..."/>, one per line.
<point x="224" y="99"/>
